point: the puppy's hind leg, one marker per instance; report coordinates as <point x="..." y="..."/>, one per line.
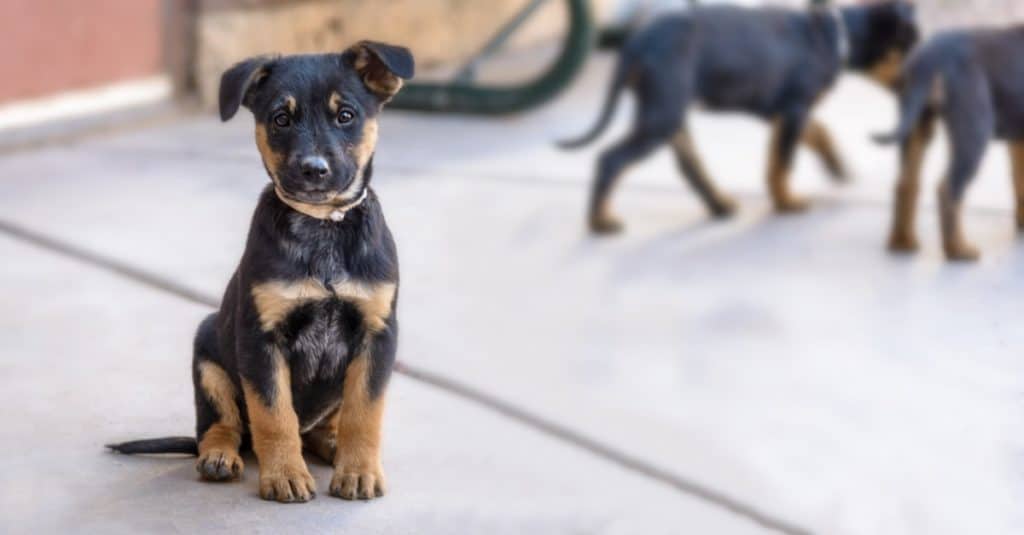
<point x="817" y="137"/>
<point x="902" y="237"/>
<point x="218" y="418"/>
<point x="610" y="167"/>
<point x="967" y="156"/>
<point x="661" y="99"/>
<point x="970" y="123"/>
<point x="1017" y="161"/>
<point x="690" y="165"/>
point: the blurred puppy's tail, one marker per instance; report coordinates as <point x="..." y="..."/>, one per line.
<point x="622" y="73"/>
<point x="919" y="91"/>
<point x="185" y="445"/>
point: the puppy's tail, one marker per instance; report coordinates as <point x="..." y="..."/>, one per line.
<point x="622" y="73"/>
<point x="917" y="94"/>
<point x="185" y="445"/>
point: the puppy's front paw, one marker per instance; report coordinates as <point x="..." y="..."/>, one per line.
<point x="287" y="483"/>
<point x="838" y="173"/>
<point x="605" y="225"/>
<point x="219" y="465"/>
<point x="351" y="482"/>
<point x="723" y="207"/>
<point x="962" y="252"/>
<point x="792" y="205"/>
<point x="900" y="242"/>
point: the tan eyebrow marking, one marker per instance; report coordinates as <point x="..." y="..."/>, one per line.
<point x="334" y="102"/>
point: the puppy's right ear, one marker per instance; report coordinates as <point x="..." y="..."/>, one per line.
<point x="238" y="83"/>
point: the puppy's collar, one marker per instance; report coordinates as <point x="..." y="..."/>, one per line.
<point x="321" y="211"/>
<point x="842" y="35"/>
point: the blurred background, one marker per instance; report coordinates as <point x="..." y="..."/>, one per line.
<point x="180" y="47"/>
<point x="760" y="375"/>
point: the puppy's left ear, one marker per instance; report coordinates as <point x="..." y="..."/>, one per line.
<point x="382" y="67"/>
<point x="238" y="83"/>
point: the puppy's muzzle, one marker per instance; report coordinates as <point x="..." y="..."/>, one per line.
<point x="315" y="168"/>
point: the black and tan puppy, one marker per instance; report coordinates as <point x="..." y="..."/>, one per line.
<point x="974" y="82"/>
<point x="303" y="345"/>
<point x="773" y="63"/>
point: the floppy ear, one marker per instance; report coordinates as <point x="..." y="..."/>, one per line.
<point x="237" y="82"/>
<point x="382" y="67"/>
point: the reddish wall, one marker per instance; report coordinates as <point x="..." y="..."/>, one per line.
<point x="54" y="45"/>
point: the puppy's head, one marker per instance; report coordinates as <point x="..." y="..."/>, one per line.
<point x="316" y="116"/>
<point x="885" y="32"/>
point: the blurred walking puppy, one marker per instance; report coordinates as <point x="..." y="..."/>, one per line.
<point x="303" y="345"/>
<point x="974" y="82"/>
<point x="773" y="63"/>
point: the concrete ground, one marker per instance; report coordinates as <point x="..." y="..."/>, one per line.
<point x="691" y="376"/>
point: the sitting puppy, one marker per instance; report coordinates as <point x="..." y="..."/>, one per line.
<point x="303" y="345"/>
<point x="974" y="81"/>
<point x="773" y="63"/>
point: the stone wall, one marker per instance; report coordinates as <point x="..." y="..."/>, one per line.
<point x="941" y="14"/>
<point x="445" y="31"/>
<point x="438" y="31"/>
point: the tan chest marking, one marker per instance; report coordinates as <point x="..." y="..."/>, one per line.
<point x="274" y="300"/>
<point x="372" y="300"/>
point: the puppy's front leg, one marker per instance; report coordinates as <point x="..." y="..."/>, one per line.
<point x="902" y="236"/>
<point x="690" y="164"/>
<point x="1017" y="162"/>
<point x="786" y="134"/>
<point x="817" y="137"/>
<point x="357" y="466"/>
<point x="275" y="433"/>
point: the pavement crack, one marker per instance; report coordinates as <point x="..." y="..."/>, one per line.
<point x="441" y="382"/>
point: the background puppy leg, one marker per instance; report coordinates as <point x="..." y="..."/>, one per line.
<point x="661" y="100"/>
<point x="610" y="167"/>
<point x="954" y="244"/>
<point x="902" y="236"/>
<point x="275" y="435"/>
<point x="693" y="170"/>
<point x="786" y="132"/>
<point x="218" y="418"/>
<point x="818" y="139"/>
<point x="951" y="192"/>
<point x="970" y="123"/>
<point x="1017" y="161"/>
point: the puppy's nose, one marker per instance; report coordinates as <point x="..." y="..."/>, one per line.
<point x="315" y="167"/>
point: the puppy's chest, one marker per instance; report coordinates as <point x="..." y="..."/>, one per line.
<point x="320" y="324"/>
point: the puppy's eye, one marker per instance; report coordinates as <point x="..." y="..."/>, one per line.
<point x="346" y="116"/>
<point x="282" y="120"/>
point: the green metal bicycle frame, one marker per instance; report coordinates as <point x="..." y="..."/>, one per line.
<point x="463" y="96"/>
